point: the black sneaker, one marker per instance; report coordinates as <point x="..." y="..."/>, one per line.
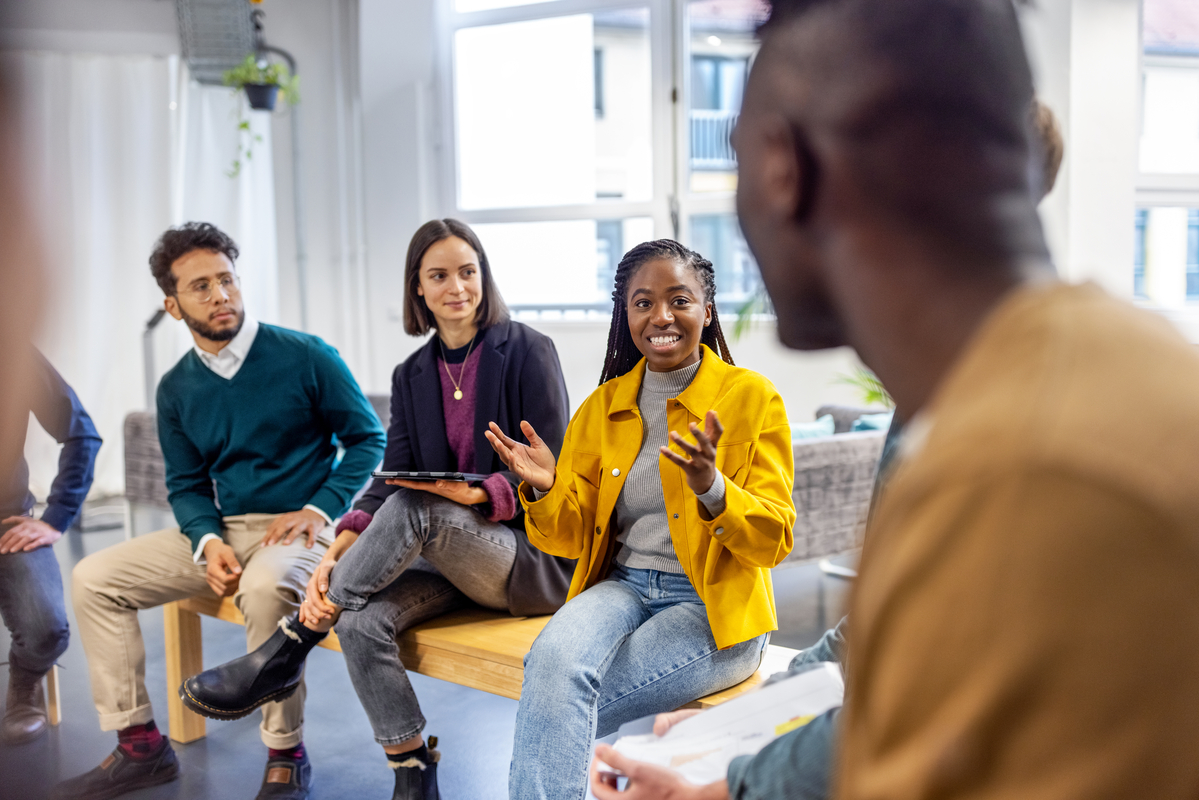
<point x="286" y="779"/>
<point x="271" y="672"/>
<point x="119" y="773"/>
<point x="416" y="773"/>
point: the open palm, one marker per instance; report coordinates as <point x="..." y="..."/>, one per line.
<point x="533" y="462"/>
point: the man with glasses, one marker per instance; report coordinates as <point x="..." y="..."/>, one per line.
<point x="249" y="423"/>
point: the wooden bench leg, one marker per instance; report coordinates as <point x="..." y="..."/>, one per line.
<point x="53" y="703"/>
<point x="185" y="657"/>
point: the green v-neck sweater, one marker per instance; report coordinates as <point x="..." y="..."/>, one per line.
<point x="263" y="442"/>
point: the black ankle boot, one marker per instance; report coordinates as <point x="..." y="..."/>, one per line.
<point x="416" y="773"/>
<point x="25" y="716"/>
<point x="272" y="672"/>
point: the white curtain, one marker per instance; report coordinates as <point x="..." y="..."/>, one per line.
<point x="119" y="148"/>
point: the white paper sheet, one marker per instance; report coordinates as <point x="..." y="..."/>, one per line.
<point x="700" y="748"/>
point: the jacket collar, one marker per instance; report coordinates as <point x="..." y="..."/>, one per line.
<point x="696" y="398"/>
<point x="488" y="393"/>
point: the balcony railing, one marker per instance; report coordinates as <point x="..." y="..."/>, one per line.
<point x="711" y="145"/>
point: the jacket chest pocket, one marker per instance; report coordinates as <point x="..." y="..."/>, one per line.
<point x="733" y="461"/>
<point x="587" y="477"/>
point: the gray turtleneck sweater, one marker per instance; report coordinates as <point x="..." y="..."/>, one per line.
<point x="641" y="508"/>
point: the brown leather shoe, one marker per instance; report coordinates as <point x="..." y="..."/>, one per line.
<point x="25" y="717"/>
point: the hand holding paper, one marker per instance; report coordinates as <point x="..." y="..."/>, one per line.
<point x="698" y="749"/>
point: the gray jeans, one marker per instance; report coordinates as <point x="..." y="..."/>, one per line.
<point x="421" y="556"/>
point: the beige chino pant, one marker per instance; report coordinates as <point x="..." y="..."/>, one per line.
<point x="111" y="586"/>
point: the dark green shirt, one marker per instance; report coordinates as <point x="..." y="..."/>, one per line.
<point x="266" y="440"/>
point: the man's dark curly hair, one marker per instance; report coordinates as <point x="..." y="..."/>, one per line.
<point x="178" y="242"/>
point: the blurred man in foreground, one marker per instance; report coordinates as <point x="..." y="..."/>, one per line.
<point x="1026" y="618"/>
<point x="31" y="599"/>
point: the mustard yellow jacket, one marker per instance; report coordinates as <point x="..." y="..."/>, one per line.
<point x="727" y="559"/>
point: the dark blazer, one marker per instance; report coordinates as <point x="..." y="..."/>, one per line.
<point x="519" y="378"/>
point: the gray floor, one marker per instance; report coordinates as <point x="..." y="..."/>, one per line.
<point x="475" y="728"/>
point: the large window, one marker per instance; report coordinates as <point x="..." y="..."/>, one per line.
<point x="579" y="128"/>
<point x="1166" y="269"/>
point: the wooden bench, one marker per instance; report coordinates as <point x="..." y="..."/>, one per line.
<point x="476" y="648"/>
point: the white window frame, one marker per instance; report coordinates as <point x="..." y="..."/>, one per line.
<point x="672" y="204"/>
<point x="1158" y="190"/>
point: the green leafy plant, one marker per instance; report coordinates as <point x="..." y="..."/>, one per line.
<point x="253" y="71"/>
<point x="757" y="303"/>
<point x="873" y="393"/>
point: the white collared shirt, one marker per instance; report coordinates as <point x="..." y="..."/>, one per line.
<point x="226" y="363"/>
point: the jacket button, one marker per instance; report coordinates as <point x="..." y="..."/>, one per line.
<point x="676" y="516"/>
<point x="616" y="473"/>
<point x="597" y="532"/>
<point x="719" y="531"/>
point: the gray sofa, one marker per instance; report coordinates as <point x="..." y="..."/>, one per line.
<point x="834" y="476"/>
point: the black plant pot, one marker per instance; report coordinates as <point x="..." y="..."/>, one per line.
<point x="262" y="96"/>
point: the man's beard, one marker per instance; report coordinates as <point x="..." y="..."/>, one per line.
<point x="212" y="334"/>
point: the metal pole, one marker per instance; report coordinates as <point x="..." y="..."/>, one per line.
<point x="148" y="357"/>
<point x="297" y="180"/>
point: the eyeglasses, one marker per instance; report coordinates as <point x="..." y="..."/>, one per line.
<point x="202" y="292"/>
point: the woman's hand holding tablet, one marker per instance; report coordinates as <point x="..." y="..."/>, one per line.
<point x="533" y="462"/>
<point x="458" y="491"/>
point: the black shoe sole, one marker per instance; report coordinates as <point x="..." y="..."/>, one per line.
<point x="118" y="789"/>
<point x="224" y="714"/>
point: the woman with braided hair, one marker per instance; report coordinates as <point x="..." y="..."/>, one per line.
<point x="673" y="491"/>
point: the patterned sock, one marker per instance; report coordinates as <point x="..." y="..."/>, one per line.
<point x="397" y="760"/>
<point x="294" y="753"/>
<point x="139" y="741"/>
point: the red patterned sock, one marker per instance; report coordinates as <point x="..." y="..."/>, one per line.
<point x="294" y="753"/>
<point x="139" y="741"/>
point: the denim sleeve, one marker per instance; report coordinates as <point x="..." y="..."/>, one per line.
<point x="798" y="765"/>
<point x="59" y="411"/>
<point x="831" y="648"/>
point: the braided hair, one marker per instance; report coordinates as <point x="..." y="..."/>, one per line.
<point x="622" y="353"/>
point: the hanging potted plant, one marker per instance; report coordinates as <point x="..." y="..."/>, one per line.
<point x="263" y="83"/>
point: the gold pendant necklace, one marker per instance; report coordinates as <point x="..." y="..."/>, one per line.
<point x="461" y="372"/>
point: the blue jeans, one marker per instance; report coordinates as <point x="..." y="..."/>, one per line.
<point x="635" y="644"/>
<point x="33" y="609"/>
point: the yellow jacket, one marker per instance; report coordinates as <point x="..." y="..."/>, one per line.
<point x="727" y="559"/>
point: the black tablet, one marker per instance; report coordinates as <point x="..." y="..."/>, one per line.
<point x="468" y="477"/>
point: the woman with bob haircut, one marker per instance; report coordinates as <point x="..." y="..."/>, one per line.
<point x="673" y="491"/>
<point x="411" y="551"/>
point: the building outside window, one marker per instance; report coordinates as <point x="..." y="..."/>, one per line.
<point x="626" y="139"/>
<point x="1138" y="271"/>
<point x="1166" y="268"/>
<point x="1193" y="255"/>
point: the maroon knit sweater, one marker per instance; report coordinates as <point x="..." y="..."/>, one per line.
<point x="460" y="431"/>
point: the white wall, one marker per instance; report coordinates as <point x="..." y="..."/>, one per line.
<point x="143" y="27"/>
<point x="1086" y="64"/>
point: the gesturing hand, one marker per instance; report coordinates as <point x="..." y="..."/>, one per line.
<point x="700" y="468"/>
<point x="533" y="462"/>
<point x="27" y="534"/>
<point x="647" y="781"/>
<point x="288" y="526"/>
